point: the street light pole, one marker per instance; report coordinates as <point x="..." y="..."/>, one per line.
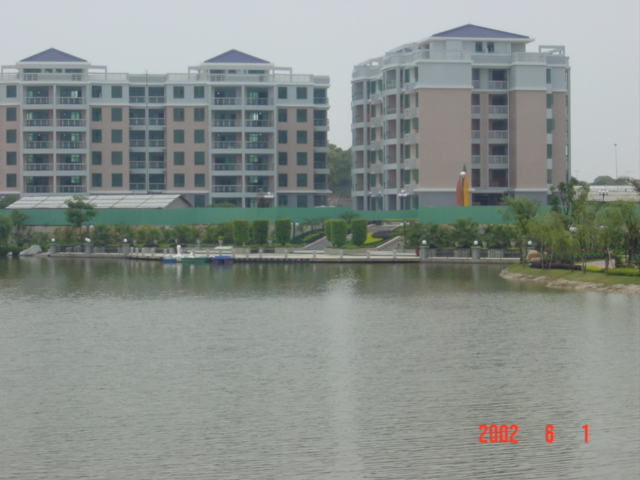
<point x="603" y="192"/>
<point x="615" y="149"/>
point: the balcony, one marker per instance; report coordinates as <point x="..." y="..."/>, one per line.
<point x="257" y="145"/>
<point x="475" y="159"/>
<point x="137" y="165"/>
<point x="227" y="101"/>
<point x="39" y="189"/>
<point x="357" y="119"/>
<point x="137" y="121"/>
<point x="225" y="167"/>
<point x="320" y="143"/>
<point x="257" y="166"/>
<point x="475" y="134"/>
<point x="159" y="122"/>
<point x="320" y="186"/>
<point x="38" y="167"/>
<point x="38" y="144"/>
<point x="71" y="122"/>
<point x="68" y="167"/>
<point x="71" y="100"/>
<point x="259" y="101"/>
<point x="357" y="96"/>
<point x="498" y="109"/>
<point x="157" y="100"/>
<point x="226" y="145"/>
<point x="257" y="188"/>
<point x="137" y="186"/>
<point x="498" y="85"/>
<point x="38" y="123"/>
<point x="156" y="143"/>
<point x="157" y="164"/>
<point x="157" y="186"/>
<point x="499" y="159"/>
<point x="389" y="84"/>
<point x="137" y="99"/>
<point x="258" y="123"/>
<point x="475" y="83"/>
<point x="390" y="111"/>
<point x="71" y="145"/>
<point x="227" y="188"/>
<point x="475" y="109"/>
<point x="137" y="143"/>
<point x="320" y="165"/>
<point x="501" y="134"/>
<point x="226" y="123"/>
<point x="320" y="101"/>
<point x="72" y="189"/>
<point x="37" y="100"/>
<point x="320" y="122"/>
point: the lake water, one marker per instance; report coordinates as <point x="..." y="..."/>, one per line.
<point x="116" y="369"/>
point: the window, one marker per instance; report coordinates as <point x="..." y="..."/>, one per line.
<point x="116" y="158"/>
<point x="178" y="158"/>
<point x="283" y="180"/>
<point x="301" y="115"/>
<point x="198" y="114"/>
<point x="415" y="124"/>
<point x="415" y="73"/>
<point x="178" y="180"/>
<point x="549" y="100"/>
<point x="96" y="158"/>
<point x="301" y="93"/>
<point x="96" y="179"/>
<point x="198" y="92"/>
<point x="12" y="114"/>
<point x="198" y="180"/>
<point x="116" y="179"/>
<point x="550" y="125"/>
<point x="12" y="180"/>
<point x="116" y="91"/>
<point x="303" y="201"/>
<point x="282" y="158"/>
<point x="116" y="114"/>
<point x="198" y="158"/>
<point x="12" y="91"/>
<point x="96" y="136"/>
<point x="301" y="159"/>
<point x="282" y="92"/>
<point x="178" y="114"/>
<point x="282" y="115"/>
<point x="407" y="100"/>
<point x="549" y="150"/>
<point x="12" y="158"/>
<point x="549" y="176"/>
<point x="178" y="136"/>
<point x="198" y="136"/>
<point x="282" y="136"/>
<point x="301" y="180"/>
<point x="283" y="200"/>
<point x="178" y="92"/>
<point x="372" y="110"/>
<point x="407" y="76"/>
<point x="96" y="91"/>
<point x="301" y="137"/>
<point x="491" y="47"/>
<point x="116" y="136"/>
<point x="548" y="75"/>
<point x="96" y="114"/>
<point x="12" y="136"/>
<point x="478" y="46"/>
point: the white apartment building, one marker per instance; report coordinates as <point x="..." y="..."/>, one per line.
<point x="470" y="97"/>
<point x="235" y="128"/>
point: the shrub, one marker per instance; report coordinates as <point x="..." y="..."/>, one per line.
<point x="594" y="269"/>
<point x="382" y="234"/>
<point x="14" y="249"/>
<point x="260" y="231"/>
<point x="102" y="235"/>
<point x="283" y="230"/>
<point x="359" y="231"/>
<point x="339" y="232"/>
<point x="624" y="272"/>
<point x="328" y="224"/>
<point x="241" y="232"/>
<point x="556" y="265"/>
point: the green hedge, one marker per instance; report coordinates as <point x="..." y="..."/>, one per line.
<point x="241" y="234"/>
<point x="283" y="230"/>
<point x="260" y="232"/>
<point x="328" y="225"/>
<point x="339" y="232"/>
<point x="624" y="272"/>
<point x="359" y="231"/>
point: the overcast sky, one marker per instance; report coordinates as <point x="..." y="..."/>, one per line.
<point x="328" y="37"/>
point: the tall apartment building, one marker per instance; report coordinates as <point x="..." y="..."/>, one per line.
<point x="471" y="97"/>
<point x="233" y="129"/>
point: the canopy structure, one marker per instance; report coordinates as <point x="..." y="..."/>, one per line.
<point x="152" y="201"/>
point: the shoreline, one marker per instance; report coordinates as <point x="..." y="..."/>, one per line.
<point x="571" y="284"/>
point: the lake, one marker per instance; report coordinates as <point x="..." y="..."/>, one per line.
<point x="116" y="369"/>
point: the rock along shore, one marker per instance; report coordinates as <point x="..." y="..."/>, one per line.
<point x="572" y="285"/>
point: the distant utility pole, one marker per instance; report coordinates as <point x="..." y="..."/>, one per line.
<point x="615" y="150"/>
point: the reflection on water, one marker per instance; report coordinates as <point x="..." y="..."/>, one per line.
<point x="123" y="369"/>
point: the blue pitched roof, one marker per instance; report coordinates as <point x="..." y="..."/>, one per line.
<point x="235" y="56"/>
<point x="52" y="55"/>
<point x="474" y="31"/>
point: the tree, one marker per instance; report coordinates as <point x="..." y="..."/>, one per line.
<point x="339" y="171"/>
<point x="349" y="215"/>
<point x="464" y="232"/>
<point x="8" y="200"/>
<point x="241" y="234"/>
<point x="571" y="195"/>
<point x="604" y="180"/>
<point x="520" y="211"/>
<point x="283" y="231"/>
<point x="543" y="230"/>
<point x="359" y="231"/>
<point x="79" y="211"/>
<point x="339" y="232"/>
<point x="260" y="231"/>
<point x="18" y="220"/>
<point x="5" y="229"/>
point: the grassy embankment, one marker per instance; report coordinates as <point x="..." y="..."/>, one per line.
<point x="575" y="276"/>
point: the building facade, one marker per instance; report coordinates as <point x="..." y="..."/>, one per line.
<point x="469" y="99"/>
<point x="233" y="129"/>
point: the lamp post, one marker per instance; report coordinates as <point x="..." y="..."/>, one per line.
<point x="603" y="192"/>
<point x="615" y="151"/>
<point x="263" y="198"/>
<point x="403" y="195"/>
<point x="463" y="175"/>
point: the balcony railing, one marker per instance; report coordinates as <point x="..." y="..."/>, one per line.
<point x="157" y="121"/>
<point x="357" y="119"/>
<point x="72" y="189"/>
<point x="498" y="183"/>
<point x="257" y="166"/>
<point x="67" y="122"/>
<point x="225" y="167"/>
<point x="157" y="164"/>
<point x="157" y="186"/>
<point x="38" y="144"/>
<point x="37" y="100"/>
<point x="157" y="143"/>
<point x="137" y="143"/>
<point x="71" y="145"/>
<point x="137" y="186"/>
<point x="320" y="143"/>
<point x="390" y="110"/>
<point x="500" y="109"/>
<point x="320" y="165"/>
<point x="226" y="188"/>
<point x="137" y="164"/>
<point x="357" y="96"/>
<point x="475" y="134"/>
<point x="157" y="99"/>
<point x="259" y="123"/>
<point x="475" y="158"/>
<point x="320" y="186"/>
<point x="226" y="145"/>
<point x="475" y="109"/>
<point x="137" y="99"/>
<point x="259" y="101"/>
<point x="320" y="100"/>
<point x="227" y="101"/>
<point x="320" y="122"/>
<point x="137" y="121"/>
<point x="257" y="188"/>
<point x="498" y="85"/>
<point x="66" y="167"/>
<point x="39" y="189"/>
<point x="504" y="134"/>
<point x="475" y="83"/>
<point x="45" y="122"/>
<point x="260" y="145"/>
<point x="38" y="167"/>
<point x="226" y="123"/>
<point x="499" y="159"/>
<point x="71" y="100"/>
